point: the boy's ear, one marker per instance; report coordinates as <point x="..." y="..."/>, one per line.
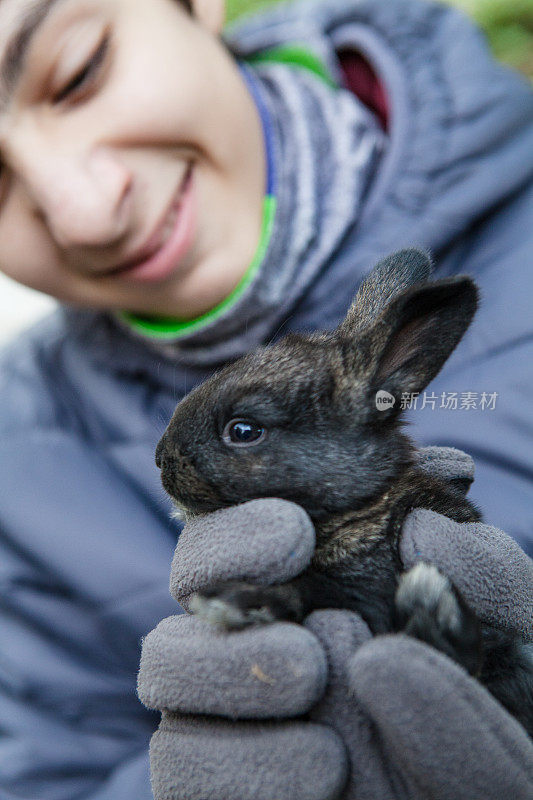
<point x="417" y="333"/>
<point x="211" y="13"/>
<point x="389" y="278"/>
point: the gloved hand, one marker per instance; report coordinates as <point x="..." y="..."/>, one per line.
<point x="325" y="710"/>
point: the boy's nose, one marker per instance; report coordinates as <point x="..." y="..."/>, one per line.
<point x="84" y="202"/>
<point x="83" y="193"/>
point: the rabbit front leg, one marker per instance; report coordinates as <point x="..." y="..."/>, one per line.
<point x="234" y="605"/>
<point x="428" y="607"/>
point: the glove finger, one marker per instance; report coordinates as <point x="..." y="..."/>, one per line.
<point x="269" y="671"/>
<point x="341" y="634"/>
<point x="199" y="758"/>
<point x="263" y="541"/>
<point x="441" y="729"/>
<point x="448" y="464"/>
<point x="488" y="567"/>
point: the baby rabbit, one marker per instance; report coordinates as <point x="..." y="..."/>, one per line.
<point x="299" y="420"/>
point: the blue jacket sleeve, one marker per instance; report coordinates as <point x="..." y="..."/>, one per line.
<point x="42" y="758"/>
<point x="70" y="726"/>
<point x="84" y="564"/>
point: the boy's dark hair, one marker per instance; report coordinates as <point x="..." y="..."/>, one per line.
<point x="187" y="4"/>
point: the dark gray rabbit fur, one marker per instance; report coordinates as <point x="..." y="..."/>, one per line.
<point x="298" y="420"/>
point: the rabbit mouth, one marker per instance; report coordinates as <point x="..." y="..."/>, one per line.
<point x="190" y="494"/>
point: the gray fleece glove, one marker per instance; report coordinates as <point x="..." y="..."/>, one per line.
<point x="285" y="712"/>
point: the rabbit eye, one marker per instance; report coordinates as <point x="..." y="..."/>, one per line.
<point x="242" y="432"/>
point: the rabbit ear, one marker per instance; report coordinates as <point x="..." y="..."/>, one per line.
<point x="416" y="334"/>
<point x="389" y="278"/>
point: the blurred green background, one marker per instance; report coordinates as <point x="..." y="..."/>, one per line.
<point x="507" y="23"/>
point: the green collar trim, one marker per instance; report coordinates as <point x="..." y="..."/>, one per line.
<point x="298" y="56"/>
<point x="164" y="328"/>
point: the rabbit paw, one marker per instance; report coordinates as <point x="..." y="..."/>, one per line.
<point x="235" y="605"/>
<point x="430" y="608"/>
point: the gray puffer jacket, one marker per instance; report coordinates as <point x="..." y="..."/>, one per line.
<point x="85" y="537"/>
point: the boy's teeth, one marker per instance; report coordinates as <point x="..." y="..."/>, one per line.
<point x="174" y="212"/>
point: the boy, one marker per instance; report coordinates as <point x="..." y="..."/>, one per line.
<point x="185" y="203"/>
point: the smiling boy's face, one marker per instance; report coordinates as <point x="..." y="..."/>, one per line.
<point x="131" y="155"/>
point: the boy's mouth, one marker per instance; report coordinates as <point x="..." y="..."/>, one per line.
<point x="170" y="241"/>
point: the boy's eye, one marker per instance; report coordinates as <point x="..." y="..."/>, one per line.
<point x="82" y="82"/>
<point x="242" y="433"/>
